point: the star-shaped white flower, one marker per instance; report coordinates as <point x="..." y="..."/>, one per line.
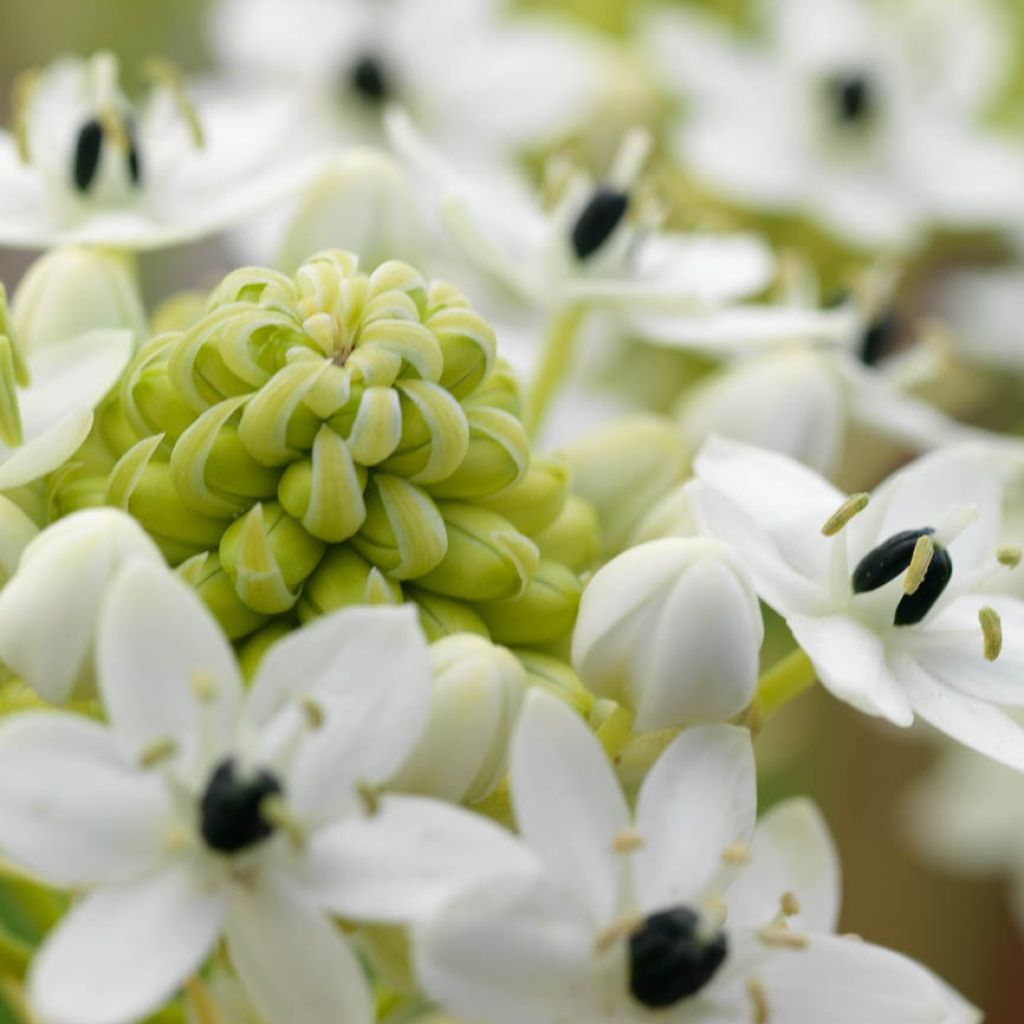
<point x="682" y="911"/>
<point x="887" y="596"/>
<point x="481" y="80"/>
<point x="204" y="810"/>
<point x="84" y="165"/>
<point x="867" y="117"/>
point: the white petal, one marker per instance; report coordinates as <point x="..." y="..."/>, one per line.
<point x="792" y="851"/>
<point x="294" y="964"/>
<point x="698" y="799"/>
<point x="846" y="981"/>
<point x="851" y="663"/>
<point x="123" y="951"/>
<point x="368" y="670"/>
<point x="46" y="451"/>
<point x="568" y="803"/>
<point x="399" y="863"/>
<point x="71" y="809"/>
<point x="509" y="951"/>
<point x="155" y="641"/>
<point x="968" y="720"/>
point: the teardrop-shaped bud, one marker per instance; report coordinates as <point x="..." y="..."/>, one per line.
<point x="574" y="538"/>
<point x="435" y="434"/>
<point x="497" y="457"/>
<point x="205" y="574"/>
<point x="444" y="616"/>
<point x="538" y="499"/>
<point x="543" y="614"/>
<point x="344" y="578"/>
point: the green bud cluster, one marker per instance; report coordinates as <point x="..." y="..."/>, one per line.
<point x="335" y="438"/>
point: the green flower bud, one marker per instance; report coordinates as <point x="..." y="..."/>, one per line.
<point x="345" y="578"/>
<point x="443" y="616"/>
<point x="557" y="677"/>
<point x="466" y="339"/>
<point x="497" y="458"/>
<point x="487" y="559"/>
<point x="268" y="555"/>
<point x="179" y="312"/>
<point x="150" y="402"/>
<point x="252" y="652"/>
<point x="623" y="469"/>
<point x="543" y="613"/>
<point x="71" y="290"/>
<point x="574" y="538"/>
<point x="435" y="434"/>
<point x="538" y="499"/>
<point x="205" y="574"/>
<point x="499" y="391"/>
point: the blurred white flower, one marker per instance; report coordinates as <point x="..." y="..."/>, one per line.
<point x="84" y="165"/>
<point x="671" y="630"/>
<point x="203" y="810"/>
<point x="868" y="117"/>
<point x="479" y="79"/>
<point x="57" y="589"/>
<point x="684" y="912"/>
<point x="886" y="597"/>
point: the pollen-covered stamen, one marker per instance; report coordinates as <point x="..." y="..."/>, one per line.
<point x="854" y="505"/>
<point x="597" y="222"/>
<point x="1009" y="557"/>
<point x="232" y="812"/>
<point x="920" y="562"/>
<point x="369" y="79"/>
<point x="887" y="561"/>
<point x="992" y="632"/>
<point x="167" y="74"/>
<point x="852" y="97"/>
<point x="672" y="956"/>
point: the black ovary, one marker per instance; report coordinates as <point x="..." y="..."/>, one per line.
<point x="88" y="150"/>
<point x="230" y="813"/>
<point x="369" y="80"/>
<point x="670" y="958"/>
<point x="600" y="217"/>
<point x="914" y="607"/>
<point x="853" y="98"/>
<point x="134" y="156"/>
<point x="879" y="338"/>
<point x="887" y="561"/>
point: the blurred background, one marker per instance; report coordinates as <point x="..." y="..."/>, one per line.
<point x="856" y="770"/>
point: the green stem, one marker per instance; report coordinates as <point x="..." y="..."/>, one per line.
<point x="555" y="364"/>
<point x="785" y="680"/>
<point x="15" y="955"/>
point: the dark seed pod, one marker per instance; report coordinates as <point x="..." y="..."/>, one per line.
<point x="853" y="98"/>
<point x="369" y="79"/>
<point x="879" y="338"/>
<point x="600" y="217"/>
<point x="134" y="156"/>
<point x="914" y="607"/>
<point x="230" y="813"/>
<point x="88" y="150"/>
<point x="670" y="957"/>
<point x="887" y="561"/>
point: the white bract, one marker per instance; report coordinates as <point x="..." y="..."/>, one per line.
<point x="671" y="630"/>
<point x="463" y="754"/>
<point x="682" y="911"/>
<point x="56" y="592"/>
<point x="866" y="116"/>
<point x="886" y="596"/>
<point x="482" y="81"/>
<point x="203" y="810"/>
<point x="84" y="165"/>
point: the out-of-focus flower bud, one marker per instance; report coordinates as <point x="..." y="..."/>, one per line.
<point x="444" y="616"/>
<point x="574" y="538"/>
<point x="462" y="755"/>
<point x="538" y="499"/>
<point x="555" y="676"/>
<point x="672" y="517"/>
<point x="178" y="312"/>
<point x="542" y="614"/>
<point x="49" y="608"/>
<point x="623" y="469"/>
<point x="16" y="531"/>
<point x="671" y="630"/>
<point x="345" y="578"/>
<point x="789" y="401"/>
<point x="211" y="582"/>
<point x="72" y="290"/>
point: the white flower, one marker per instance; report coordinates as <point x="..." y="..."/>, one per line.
<point x="56" y="592"/>
<point x="672" y="630"/>
<point x="681" y="912"/>
<point x="203" y="810"/>
<point x="886" y="597"/>
<point x="84" y="166"/>
<point x="462" y="755"/>
<point x="865" y="116"/>
<point x="478" y="79"/>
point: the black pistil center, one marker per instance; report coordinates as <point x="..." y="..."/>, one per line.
<point x="369" y="79"/>
<point x="852" y="97"/>
<point x="892" y="557"/>
<point x="230" y="813"/>
<point x="89" y="152"/>
<point x="599" y="218"/>
<point x="672" y="957"/>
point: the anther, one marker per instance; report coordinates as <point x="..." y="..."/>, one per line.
<point x="1009" y="556"/>
<point x="204" y="687"/>
<point x="598" y="220"/>
<point x="157" y="752"/>
<point x="758" y="1000"/>
<point x="628" y="840"/>
<point x="313" y="712"/>
<point x="369" y="797"/>
<point x="920" y="560"/>
<point x="736" y="854"/>
<point x="854" y="505"/>
<point x="22" y="94"/>
<point x="992" y="632"/>
<point x="164" y="72"/>
<point x="789" y="904"/>
<point x="276" y="812"/>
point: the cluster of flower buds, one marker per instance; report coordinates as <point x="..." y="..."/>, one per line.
<point x="335" y="438"/>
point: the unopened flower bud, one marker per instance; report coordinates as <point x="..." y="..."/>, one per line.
<point x="537" y="500"/>
<point x="179" y="311"/>
<point x="345" y="578"/>
<point x="543" y="613"/>
<point x="497" y="457"/>
<point x="48" y="610"/>
<point x="462" y="755"/>
<point x="555" y="676"/>
<point x="574" y="538"/>
<point x="443" y="616"/>
<point x="671" y="629"/>
<point x="72" y="290"/>
<point x="623" y="469"/>
<point x="673" y="516"/>
<point x="205" y="574"/>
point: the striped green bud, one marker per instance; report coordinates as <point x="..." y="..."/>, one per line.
<point x="466" y="339"/>
<point x="205" y="574"/>
<point x="443" y="616"/>
<point x="499" y="391"/>
<point x="538" y="499"/>
<point x="542" y="614"/>
<point x="557" y="677"/>
<point x="252" y="652"/>
<point x="345" y="578"/>
<point x="574" y="538"/>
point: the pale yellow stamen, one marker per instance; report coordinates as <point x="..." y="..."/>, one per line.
<point x="201" y="1003"/>
<point x="854" y="505"/>
<point x="1010" y="557"/>
<point x="758" y="1000"/>
<point x="276" y="812"/>
<point x="164" y="72"/>
<point x="369" y="797"/>
<point x="22" y="93"/>
<point x="789" y="904"/>
<point x="114" y="129"/>
<point x="617" y="931"/>
<point x="714" y="907"/>
<point x="992" y="632"/>
<point x="920" y="560"/>
<point x="313" y="712"/>
<point x="736" y="855"/>
<point x="628" y="840"/>
<point x="204" y="687"/>
<point x="157" y="752"/>
<point x="782" y="936"/>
